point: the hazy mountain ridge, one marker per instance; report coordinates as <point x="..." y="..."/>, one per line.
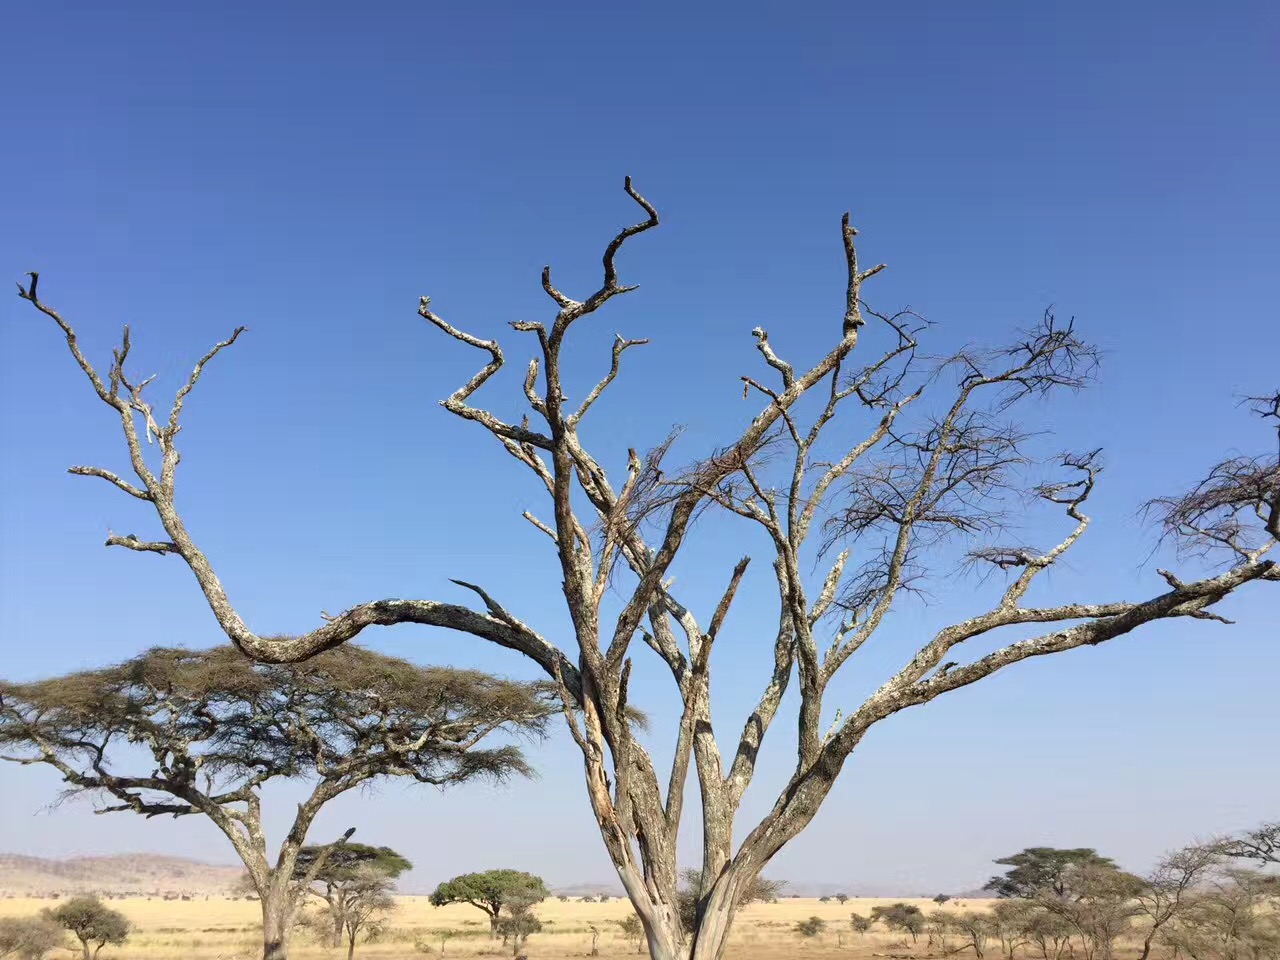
<point x="139" y="874"/>
<point x="158" y="875"/>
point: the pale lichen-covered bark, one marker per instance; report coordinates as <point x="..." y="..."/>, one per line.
<point x="889" y="495"/>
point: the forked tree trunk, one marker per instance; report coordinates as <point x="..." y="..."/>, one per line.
<point x="667" y="941"/>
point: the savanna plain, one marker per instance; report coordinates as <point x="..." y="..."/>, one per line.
<point x="226" y="929"/>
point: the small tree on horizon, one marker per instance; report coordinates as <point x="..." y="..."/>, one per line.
<point x="368" y="898"/>
<point x="91" y="922"/>
<point x="343" y="879"/>
<point x="180" y="733"/>
<point x="904" y="917"/>
<point x="490" y="891"/>
<point x="517" y="921"/>
<point x="633" y="931"/>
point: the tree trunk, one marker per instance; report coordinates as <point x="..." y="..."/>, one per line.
<point x="339" y="921"/>
<point x="351" y="944"/>
<point x="85" y="946"/>
<point x="277" y="920"/>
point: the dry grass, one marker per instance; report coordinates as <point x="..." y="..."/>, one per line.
<point x="230" y="930"/>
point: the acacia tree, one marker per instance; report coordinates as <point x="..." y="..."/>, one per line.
<point x="344" y="879"/>
<point x="368" y="897"/>
<point x="91" y="922"/>
<point x="29" y="938"/>
<point x="1038" y="871"/>
<point x="1166" y="891"/>
<point x="490" y="891"/>
<point x="900" y="474"/>
<point x="214" y="727"/>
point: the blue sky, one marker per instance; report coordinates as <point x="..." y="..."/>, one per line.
<point x="311" y="169"/>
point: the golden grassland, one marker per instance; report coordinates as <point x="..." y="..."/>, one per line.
<point x="217" y="929"/>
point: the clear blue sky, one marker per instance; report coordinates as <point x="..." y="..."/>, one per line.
<point x="310" y="169"/>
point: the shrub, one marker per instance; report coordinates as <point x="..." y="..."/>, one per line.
<point x="29" y="938"/>
<point x="633" y="930"/>
<point x="905" y="917"/>
<point x="811" y="928"/>
<point x="92" y="922"/>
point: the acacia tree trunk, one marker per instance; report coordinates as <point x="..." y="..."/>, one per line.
<point x="277" y="923"/>
<point x="339" y="921"/>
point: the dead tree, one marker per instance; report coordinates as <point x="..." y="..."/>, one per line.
<point x="936" y="447"/>
<point x="215" y="727"/>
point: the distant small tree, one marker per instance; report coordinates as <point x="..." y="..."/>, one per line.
<point x="368" y="898"/>
<point x="29" y="938"/>
<point x="1167" y="890"/>
<point x="1011" y="921"/>
<point x="904" y="917"/>
<point x="92" y="922"/>
<point x="824" y="899"/>
<point x="940" y="899"/>
<point x="842" y="898"/>
<point x="344" y="878"/>
<point x="517" y="922"/>
<point x="813" y="927"/>
<point x="973" y="928"/>
<point x="633" y="931"/>
<point x="490" y="891"/>
<point x="860" y="923"/>
<point x="563" y="898"/>
<point x="1100" y="905"/>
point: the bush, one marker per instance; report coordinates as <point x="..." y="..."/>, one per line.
<point x="811" y="928"/>
<point x="92" y="922"/>
<point x="860" y="923"/>
<point x="905" y="917"/>
<point x="29" y="938"/>
<point x="633" y="930"/>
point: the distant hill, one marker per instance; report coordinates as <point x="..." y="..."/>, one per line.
<point x="138" y="874"/>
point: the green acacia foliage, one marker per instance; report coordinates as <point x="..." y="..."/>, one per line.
<point x="92" y="922"/>
<point x="1040" y="870"/>
<point x="490" y="891"/>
